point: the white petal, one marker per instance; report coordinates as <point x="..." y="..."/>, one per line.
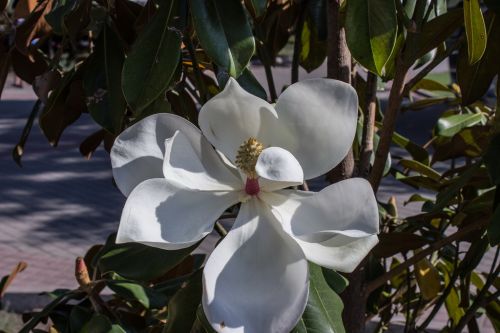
<point x="138" y="152"/>
<point x="341" y="219"/>
<point x="256" y="280"/>
<point x="342" y="254"/>
<point x="320" y="117"/>
<point x="167" y="215"/>
<point x="277" y="169"/>
<point x="234" y="116"/>
<point x="198" y="170"/>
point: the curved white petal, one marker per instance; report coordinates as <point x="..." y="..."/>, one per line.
<point x="277" y="169"/>
<point x="256" y="280"/>
<point x="342" y="254"/>
<point x="320" y="120"/>
<point x="342" y="218"/>
<point x="170" y="216"/>
<point x="234" y="116"/>
<point x="198" y="170"/>
<point x="137" y="153"/>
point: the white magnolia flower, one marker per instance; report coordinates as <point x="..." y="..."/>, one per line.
<point x="256" y="279"/>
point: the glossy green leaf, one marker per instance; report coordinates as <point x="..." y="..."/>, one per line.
<point x="183" y="306"/>
<point x="433" y="33"/>
<point x="224" y="33"/>
<point x="140" y="262"/>
<point x="335" y="280"/>
<point x="475" y="80"/>
<point x="131" y="291"/>
<point x="417" y="152"/>
<point x="452" y="301"/>
<point x="248" y="81"/>
<point x="430" y="85"/>
<point x="65" y="105"/>
<point x="451" y="125"/>
<point x="314" y="35"/>
<point x="101" y="324"/>
<point x="420" y="168"/>
<point x="313" y="51"/>
<point x="101" y="82"/>
<point x="475" y="30"/>
<point x="371" y="31"/>
<point x="324" y="307"/>
<point x="151" y="64"/>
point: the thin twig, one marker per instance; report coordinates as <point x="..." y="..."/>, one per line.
<point x="204" y="96"/>
<point x="381" y="280"/>
<point x="297" y="46"/>
<point x="440" y="57"/>
<point x="389" y="124"/>
<point x="480" y="301"/>
<point x="220" y="229"/>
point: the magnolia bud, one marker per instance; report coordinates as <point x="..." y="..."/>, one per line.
<point x="81" y="272"/>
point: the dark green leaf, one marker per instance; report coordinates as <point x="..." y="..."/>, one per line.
<point x="151" y="64"/>
<point x="256" y="7"/>
<point x="183" y="306"/>
<point x="101" y="324"/>
<point x="434" y="33"/>
<point x="475" y="30"/>
<point x="101" y="82"/>
<point x="140" y="262"/>
<point x="494" y="228"/>
<point x="314" y="35"/>
<point x="371" y="31"/>
<point x="78" y="317"/>
<point x="64" y="106"/>
<point x="335" y="280"/>
<point x="224" y="33"/>
<point x="324" y="307"/>
<point x="248" y="81"/>
<point x="417" y="152"/>
<point x="474" y="80"/>
<point x="454" y="186"/>
<point x="492" y="159"/>
<point x="148" y="297"/>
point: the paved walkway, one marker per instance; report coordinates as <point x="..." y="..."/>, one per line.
<point x="59" y="204"/>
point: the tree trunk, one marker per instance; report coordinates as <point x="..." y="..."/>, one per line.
<point x="339" y="67"/>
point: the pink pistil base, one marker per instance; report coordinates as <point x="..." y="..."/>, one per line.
<point x="252" y="186"/>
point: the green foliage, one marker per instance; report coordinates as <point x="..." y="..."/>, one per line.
<point x="371" y="32"/>
<point x="173" y="55"/>
<point x="151" y="64"/>
<point x="224" y="33"/>
<point x="324" y="307"/>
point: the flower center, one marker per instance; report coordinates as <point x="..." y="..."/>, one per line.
<point x="247" y="156"/>
<point x="246" y="159"/>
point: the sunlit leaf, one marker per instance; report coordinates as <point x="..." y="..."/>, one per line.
<point x="475" y="30"/>
<point x="224" y="33"/>
<point x="371" y="31"/>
